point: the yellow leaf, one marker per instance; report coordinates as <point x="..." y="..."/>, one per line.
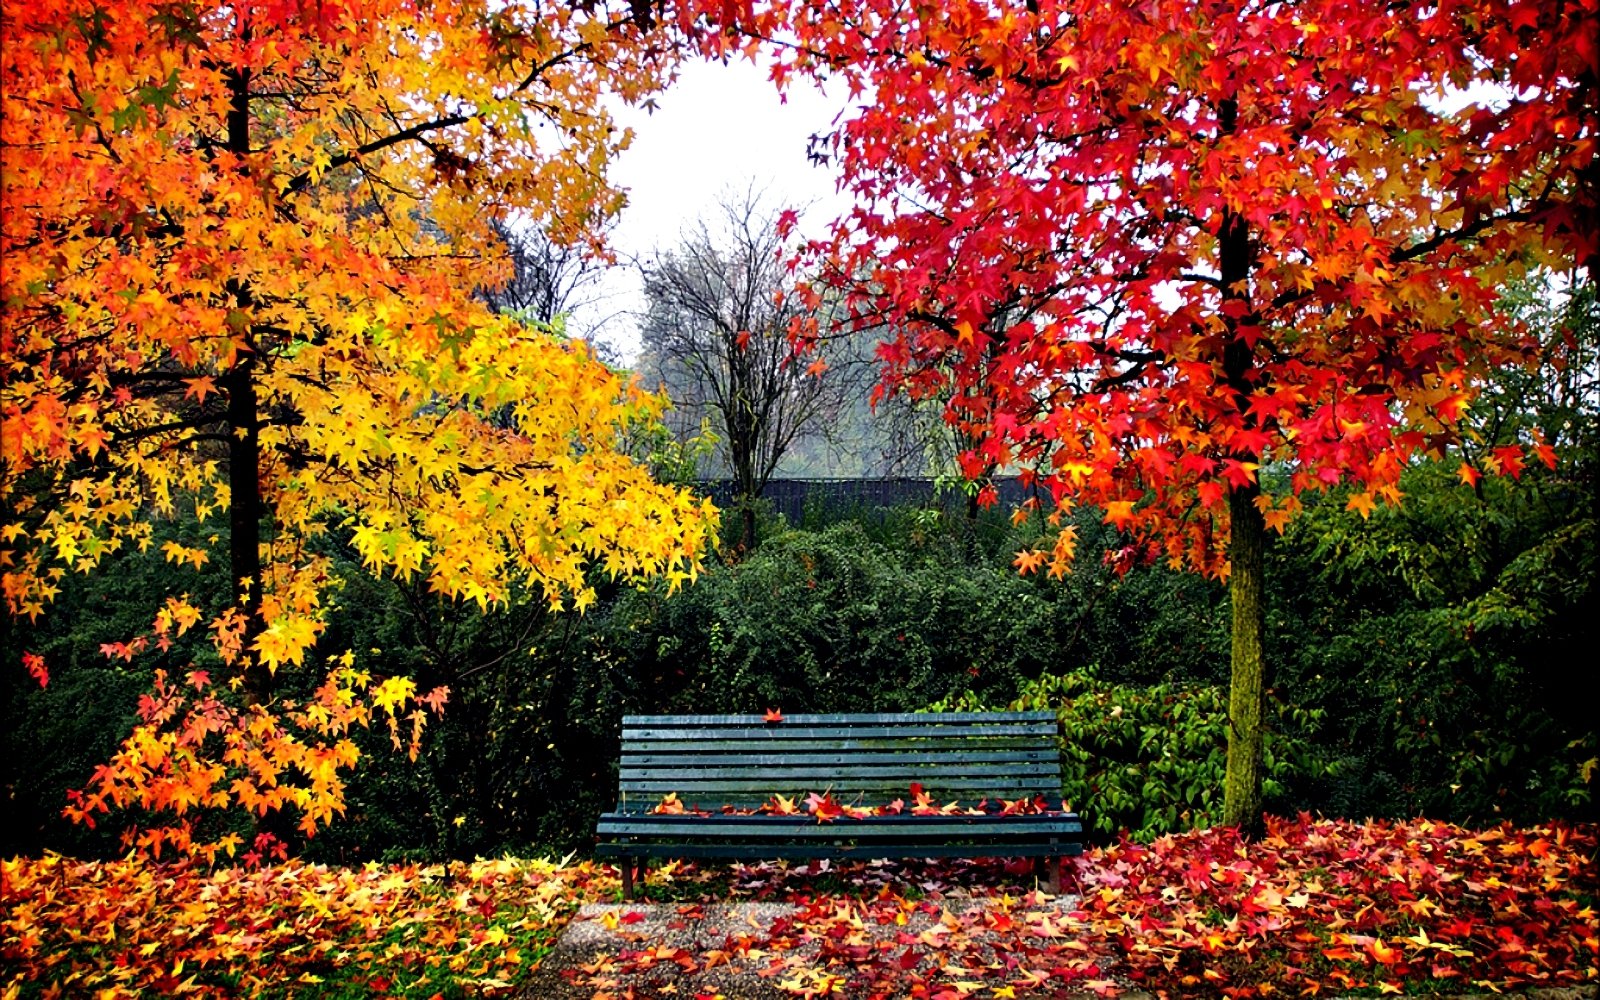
<point x="392" y="693"/>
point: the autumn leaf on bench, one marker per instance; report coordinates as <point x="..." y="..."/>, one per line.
<point x="823" y="807"/>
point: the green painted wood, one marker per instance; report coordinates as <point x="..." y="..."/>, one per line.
<point x="712" y="761"/>
<point x="912" y="769"/>
<point x="782" y="838"/>
<point x="706" y="794"/>
<point x="788" y="732"/>
<point x="903" y="824"/>
<point x="734" y="851"/>
<point x="934" y="757"/>
<point x="707" y="744"/>
<point x="846" y="719"/>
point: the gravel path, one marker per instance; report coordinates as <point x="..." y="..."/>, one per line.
<point x="602" y="932"/>
<point x="714" y="950"/>
<point x="673" y="951"/>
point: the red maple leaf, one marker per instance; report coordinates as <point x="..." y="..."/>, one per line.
<point x="823" y="807"/>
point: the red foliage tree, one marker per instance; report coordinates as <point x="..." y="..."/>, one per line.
<point x="1186" y="261"/>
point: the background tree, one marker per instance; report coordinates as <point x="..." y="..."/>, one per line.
<point x="721" y="310"/>
<point x="1240" y="255"/>
<point x="548" y="279"/>
<point x="239" y="247"/>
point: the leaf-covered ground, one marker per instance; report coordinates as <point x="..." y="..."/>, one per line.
<point x="1315" y="908"/>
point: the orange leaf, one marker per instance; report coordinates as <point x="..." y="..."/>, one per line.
<point x="1383" y="953"/>
<point x="1119" y="513"/>
<point x="1028" y="560"/>
<point x="1361" y="503"/>
<point x="199" y="388"/>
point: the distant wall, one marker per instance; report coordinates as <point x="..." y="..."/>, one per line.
<point x="790" y="497"/>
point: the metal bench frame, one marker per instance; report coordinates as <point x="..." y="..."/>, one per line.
<point x="712" y="761"/>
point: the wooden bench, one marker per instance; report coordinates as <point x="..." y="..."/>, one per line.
<point x="742" y="761"/>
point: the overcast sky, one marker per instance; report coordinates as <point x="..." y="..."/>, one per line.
<point x="718" y="128"/>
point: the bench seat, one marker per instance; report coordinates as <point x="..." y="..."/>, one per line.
<point x="713" y="762"/>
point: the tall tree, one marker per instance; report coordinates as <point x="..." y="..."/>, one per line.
<point x="1240" y="251"/>
<point x="240" y="241"/>
<point x="721" y="309"/>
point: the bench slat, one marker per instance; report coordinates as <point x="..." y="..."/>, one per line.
<point x="646" y="794"/>
<point x="705" y="744"/>
<point x="720" y="825"/>
<point x="788" y="731"/>
<point x="912" y="770"/>
<point x="765" y="760"/>
<point x="733" y="851"/>
<point x="843" y="719"/>
<point x="897" y="786"/>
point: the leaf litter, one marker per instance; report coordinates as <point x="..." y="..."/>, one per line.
<point x="1315" y="908"/>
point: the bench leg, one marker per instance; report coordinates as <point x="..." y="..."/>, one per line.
<point x="627" y="877"/>
<point x="1048" y="870"/>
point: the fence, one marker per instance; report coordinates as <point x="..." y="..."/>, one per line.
<point x="791" y="497"/>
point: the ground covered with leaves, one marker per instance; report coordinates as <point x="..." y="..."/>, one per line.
<point x="1315" y="908"/>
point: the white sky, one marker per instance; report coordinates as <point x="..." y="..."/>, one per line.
<point x="718" y="128"/>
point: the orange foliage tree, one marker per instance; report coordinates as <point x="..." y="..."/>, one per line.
<point x="239" y="242"/>
<point x="1187" y="260"/>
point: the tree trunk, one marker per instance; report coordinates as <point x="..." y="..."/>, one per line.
<point x="244" y="442"/>
<point x="747" y="523"/>
<point x="245" y="509"/>
<point x="1241" y="805"/>
<point x="244" y="487"/>
<point x="1241" y="786"/>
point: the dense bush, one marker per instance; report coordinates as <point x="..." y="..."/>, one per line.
<point x="833" y="621"/>
<point x="1437" y="654"/>
<point x="1450" y="643"/>
<point x="1149" y="759"/>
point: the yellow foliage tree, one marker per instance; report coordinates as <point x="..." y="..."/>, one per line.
<point x="239" y="241"/>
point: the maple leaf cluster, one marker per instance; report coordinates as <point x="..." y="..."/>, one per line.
<point x="157" y="283"/>
<point x="1145" y="253"/>
<point x="826" y="808"/>
<point x="240" y="247"/>
<point x="1316" y="908"/>
<point x="132" y="928"/>
<point x="1327" y="907"/>
<point x="195" y="752"/>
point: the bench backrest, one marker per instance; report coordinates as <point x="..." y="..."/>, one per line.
<point x="742" y="760"/>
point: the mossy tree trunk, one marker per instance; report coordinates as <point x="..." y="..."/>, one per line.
<point x="1241" y="806"/>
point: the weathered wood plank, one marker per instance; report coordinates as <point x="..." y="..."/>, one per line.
<point x="893" y="789"/>
<point x="934" y="757"/>
<point x="845" y="719"/>
<point x="788" y="731"/>
<point x="914" y="770"/>
<point x="816" y="852"/>
<point x="707" y="744"/>
<point x="693" y="828"/>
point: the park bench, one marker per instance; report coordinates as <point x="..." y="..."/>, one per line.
<point x="716" y="765"/>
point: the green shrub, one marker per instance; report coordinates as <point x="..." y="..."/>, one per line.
<point x="1149" y="759"/>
